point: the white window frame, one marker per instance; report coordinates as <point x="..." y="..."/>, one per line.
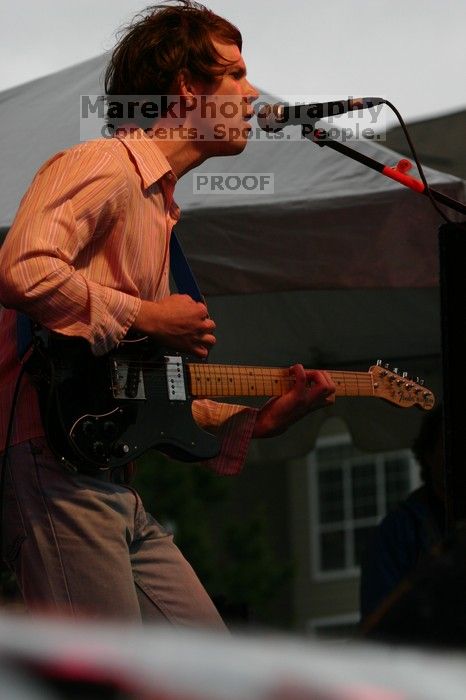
<point x="348" y="524"/>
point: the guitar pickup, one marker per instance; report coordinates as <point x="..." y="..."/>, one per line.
<point x="175" y="378"/>
<point x="127" y="381"/>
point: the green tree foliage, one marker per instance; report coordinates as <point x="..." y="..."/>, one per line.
<point x="231" y="552"/>
<point x="252" y="572"/>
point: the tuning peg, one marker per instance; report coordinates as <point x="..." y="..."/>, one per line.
<point x="386" y="365"/>
<point x="421" y="382"/>
<point x="404" y="375"/>
<point x="383" y="373"/>
<point x="395" y="370"/>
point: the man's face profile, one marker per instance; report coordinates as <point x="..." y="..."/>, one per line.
<point x="225" y="125"/>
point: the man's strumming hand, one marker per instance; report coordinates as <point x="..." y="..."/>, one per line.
<point x="177" y="322"/>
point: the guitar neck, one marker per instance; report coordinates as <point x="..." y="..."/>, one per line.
<point x="231" y="380"/>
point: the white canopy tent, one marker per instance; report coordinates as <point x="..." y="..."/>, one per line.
<point x="336" y="268"/>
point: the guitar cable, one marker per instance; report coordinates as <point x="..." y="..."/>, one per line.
<point x="9" y="434"/>
<point x="404" y="128"/>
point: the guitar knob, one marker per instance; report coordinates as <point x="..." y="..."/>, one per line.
<point x="121" y="450"/>
<point x="89" y="428"/>
<point x="98" y="449"/>
<point x="109" y="429"/>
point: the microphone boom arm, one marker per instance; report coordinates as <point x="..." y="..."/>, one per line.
<point x="398" y="173"/>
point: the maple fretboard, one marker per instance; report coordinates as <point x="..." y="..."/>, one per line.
<point x="230" y="380"/>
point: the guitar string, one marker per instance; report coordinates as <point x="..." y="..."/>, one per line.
<point x="240" y="384"/>
<point x="240" y="369"/>
<point x="245" y="373"/>
<point x="255" y="373"/>
<point x="353" y="383"/>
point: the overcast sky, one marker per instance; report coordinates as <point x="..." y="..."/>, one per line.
<point x="409" y="51"/>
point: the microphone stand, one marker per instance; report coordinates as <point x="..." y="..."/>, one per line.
<point x="452" y="254"/>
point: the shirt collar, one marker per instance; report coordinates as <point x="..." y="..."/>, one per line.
<point x="150" y="161"/>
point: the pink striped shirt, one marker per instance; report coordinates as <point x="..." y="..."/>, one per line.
<point x="89" y="241"/>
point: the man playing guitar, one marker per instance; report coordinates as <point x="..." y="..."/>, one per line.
<point x="87" y="257"/>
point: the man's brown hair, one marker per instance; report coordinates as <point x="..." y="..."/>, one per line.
<point x="164" y="41"/>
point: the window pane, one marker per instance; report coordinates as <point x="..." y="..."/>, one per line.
<point x="364" y="490"/>
<point x="331" y="495"/>
<point x="397" y="483"/>
<point x="362" y="538"/>
<point x="332" y="550"/>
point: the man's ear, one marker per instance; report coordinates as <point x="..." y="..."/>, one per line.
<point x="185" y="85"/>
<point x="182" y="88"/>
<point x="188" y="87"/>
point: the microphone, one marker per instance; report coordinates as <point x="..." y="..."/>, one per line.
<point x="276" y="117"/>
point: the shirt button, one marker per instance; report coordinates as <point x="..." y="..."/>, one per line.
<point x="170" y="176"/>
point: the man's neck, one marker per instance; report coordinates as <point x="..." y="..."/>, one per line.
<point x="183" y="156"/>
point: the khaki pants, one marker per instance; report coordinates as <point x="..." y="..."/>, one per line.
<point x="84" y="546"/>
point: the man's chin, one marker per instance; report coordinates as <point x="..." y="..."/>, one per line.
<point x="234" y="147"/>
<point x="239" y="146"/>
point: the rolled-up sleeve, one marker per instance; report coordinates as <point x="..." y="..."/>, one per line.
<point x="56" y="221"/>
<point x="233" y="424"/>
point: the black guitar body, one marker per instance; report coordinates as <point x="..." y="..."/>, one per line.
<point x="103" y="412"/>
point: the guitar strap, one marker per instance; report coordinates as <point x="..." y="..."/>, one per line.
<point x="182" y="275"/>
<point x="181" y="271"/>
<point x="23" y="334"/>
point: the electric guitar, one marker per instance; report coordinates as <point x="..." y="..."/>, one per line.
<point x="102" y="412"/>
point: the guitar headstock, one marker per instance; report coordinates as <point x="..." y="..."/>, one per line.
<point x="399" y="389"/>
